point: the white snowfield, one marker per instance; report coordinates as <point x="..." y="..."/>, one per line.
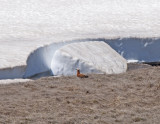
<point x="90" y="57"/>
<point x="32" y="30"/>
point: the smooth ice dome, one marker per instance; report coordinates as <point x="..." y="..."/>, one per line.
<point x="89" y="57"/>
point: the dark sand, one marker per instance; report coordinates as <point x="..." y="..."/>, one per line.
<point x="132" y="97"/>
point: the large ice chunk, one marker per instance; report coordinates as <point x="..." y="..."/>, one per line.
<point x="90" y="57"/>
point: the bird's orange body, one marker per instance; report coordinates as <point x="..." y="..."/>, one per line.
<point x="81" y="75"/>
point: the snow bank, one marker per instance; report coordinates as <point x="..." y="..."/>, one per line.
<point x="132" y="49"/>
<point x="40" y="60"/>
<point x="48" y="18"/>
<point x="27" y="25"/>
<point x="12" y="73"/>
<point x="137" y="49"/>
<point x="89" y="57"/>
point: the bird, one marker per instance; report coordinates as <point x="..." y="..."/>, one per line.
<point x="81" y="75"/>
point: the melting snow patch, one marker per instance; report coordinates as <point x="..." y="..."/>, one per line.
<point x="90" y="57"/>
<point x="10" y="81"/>
<point x="132" y="61"/>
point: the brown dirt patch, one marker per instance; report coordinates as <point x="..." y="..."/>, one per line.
<point x="132" y="97"/>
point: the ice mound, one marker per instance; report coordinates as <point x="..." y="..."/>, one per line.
<point x="90" y="57"/>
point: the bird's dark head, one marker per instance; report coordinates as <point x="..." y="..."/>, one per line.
<point x="78" y="71"/>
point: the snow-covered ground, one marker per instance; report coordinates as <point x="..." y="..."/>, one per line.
<point x="26" y="25"/>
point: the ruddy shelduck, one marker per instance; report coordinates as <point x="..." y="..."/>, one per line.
<point x="81" y="75"/>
